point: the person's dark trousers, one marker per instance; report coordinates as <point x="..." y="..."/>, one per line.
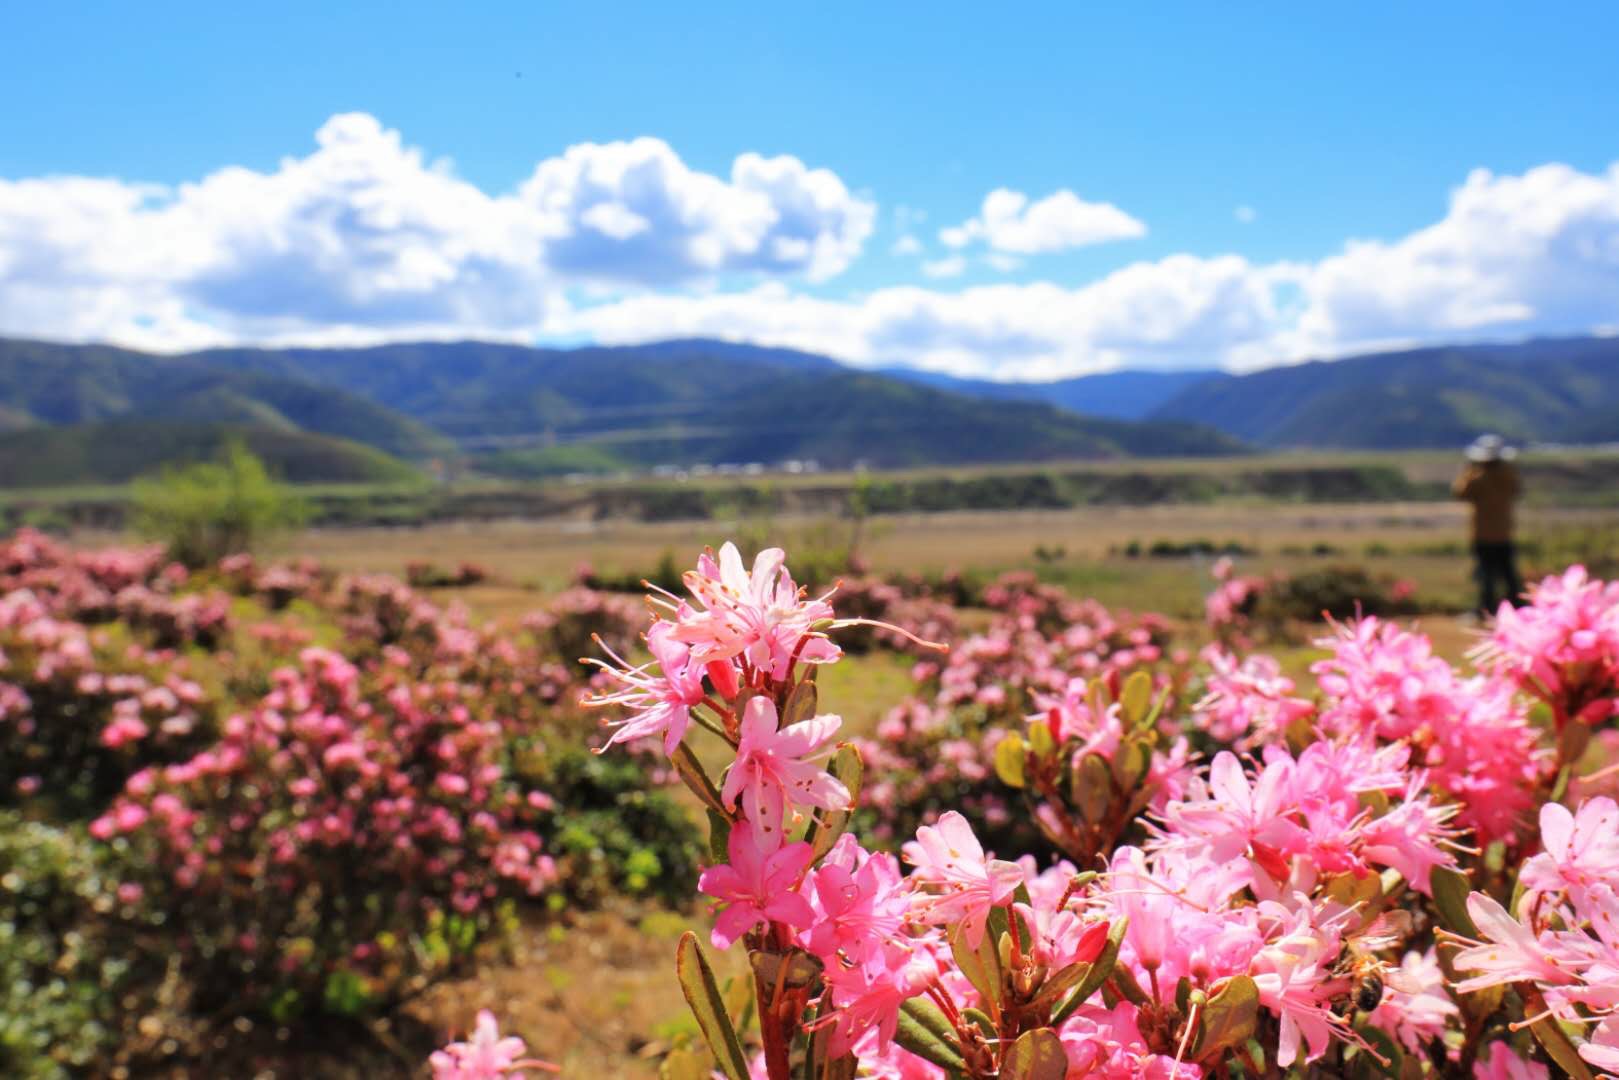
<point x="1497" y="573"/>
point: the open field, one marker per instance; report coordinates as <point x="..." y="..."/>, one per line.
<point x="588" y="984"/>
<point x="1553" y="478"/>
<point x="1423" y="541"/>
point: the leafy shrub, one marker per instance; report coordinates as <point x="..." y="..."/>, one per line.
<point x="344" y="841"/>
<point x="59" y="976"/>
<point x="614" y="836"/>
<point x="1342" y="592"/>
<point x="208" y="510"/>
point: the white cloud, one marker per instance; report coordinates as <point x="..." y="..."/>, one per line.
<point x="634" y="212"/>
<point x="1246" y="215"/>
<point x="1181" y="310"/>
<point x="906" y="245"/>
<point x="1004" y="263"/>
<point x="362" y="240"/>
<point x="1009" y="222"/>
<point x="947" y="267"/>
<point x="1530" y="254"/>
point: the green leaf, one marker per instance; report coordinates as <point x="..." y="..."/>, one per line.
<point x="703" y="996"/>
<point x="1550" y="1034"/>
<point x="848" y="768"/>
<point x="1037" y="1055"/>
<point x="719" y="836"/>
<point x="1101" y="968"/>
<point x="800" y="704"/>
<point x="925" y="1031"/>
<point x="1041" y="744"/>
<point x="1450" y="888"/>
<point x="1387" y="1049"/>
<point x="1131" y="762"/>
<point x="692" y="773"/>
<point x="1355" y="890"/>
<point x="1135" y="698"/>
<point x="1009" y="753"/>
<point x="1229" y="1018"/>
<point x="980" y="965"/>
<point x="1093" y="787"/>
<point x="1058" y="984"/>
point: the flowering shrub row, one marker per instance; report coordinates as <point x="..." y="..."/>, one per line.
<point x="298" y="792"/>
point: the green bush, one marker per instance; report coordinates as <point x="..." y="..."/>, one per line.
<point x="617" y="835"/>
<point x="206" y="511"/>
<point x="60" y="978"/>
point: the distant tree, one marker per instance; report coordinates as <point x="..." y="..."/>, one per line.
<point x="211" y="509"/>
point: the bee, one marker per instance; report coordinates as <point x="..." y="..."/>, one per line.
<point x="1371" y="975"/>
<point x="1369" y="991"/>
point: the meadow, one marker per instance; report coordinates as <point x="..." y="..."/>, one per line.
<point x="213" y="891"/>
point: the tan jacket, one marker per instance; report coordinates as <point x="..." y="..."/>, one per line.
<point x="1491" y="488"/>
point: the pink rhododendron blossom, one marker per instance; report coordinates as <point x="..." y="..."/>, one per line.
<point x="759" y="616"/>
<point x="660" y="704"/>
<point x="485" y="1056"/>
<point x="772" y="770"/>
<point x="758" y="886"/>
<point x="960" y="884"/>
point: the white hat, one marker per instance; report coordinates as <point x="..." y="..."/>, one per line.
<point x="1490" y="448"/>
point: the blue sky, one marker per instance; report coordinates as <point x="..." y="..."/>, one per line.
<point x="1221" y="169"/>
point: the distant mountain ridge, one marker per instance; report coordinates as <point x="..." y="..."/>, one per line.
<point x="1557" y="390"/>
<point x="524" y="412"/>
<point x="1115" y="395"/>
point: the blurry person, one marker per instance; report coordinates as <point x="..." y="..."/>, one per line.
<point x="1490" y="484"/>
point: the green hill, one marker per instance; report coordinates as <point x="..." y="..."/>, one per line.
<point x="535" y="412"/>
<point x="49" y="384"/>
<point x="515" y="411"/>
<point x="119" y="451"/>
<point x="1546" y="391"/>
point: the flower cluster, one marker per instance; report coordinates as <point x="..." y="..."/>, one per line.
<point x="1472" y="735"/>
<point x="1559" y="945"/>
<point x="1562" y="647"/>
<point x="1251" y="925"/>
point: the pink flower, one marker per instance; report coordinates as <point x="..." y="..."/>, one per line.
<point x="868" y="997"/>
<point x="485" y="1056"/>
<point x="771" y="771"/>
<point x="962" y="885"/>
<point x="757" y="886"/>
<point x="1501" y="1062"/>
<point x="1511" y="952"/>
<point x="1581" y="850"/>
<point x="759" y="616"/>
<point x="661" y="703"/>
<point x="858" y="902"/>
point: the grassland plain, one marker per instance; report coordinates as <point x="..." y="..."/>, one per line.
<point x="1575" y="477"/>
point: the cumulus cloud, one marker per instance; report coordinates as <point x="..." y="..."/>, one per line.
<point x="1513" y="256"/>
<point x="906" y="245"/>
<point x="1180" y="310"/>
<point x="634" y="212"/>
<point x="1530" y="254"/>
<point x="1009" y="222"/>
<point x="364" y="240"/>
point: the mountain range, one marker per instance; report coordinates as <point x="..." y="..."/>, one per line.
<point x="73" y="414"/>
